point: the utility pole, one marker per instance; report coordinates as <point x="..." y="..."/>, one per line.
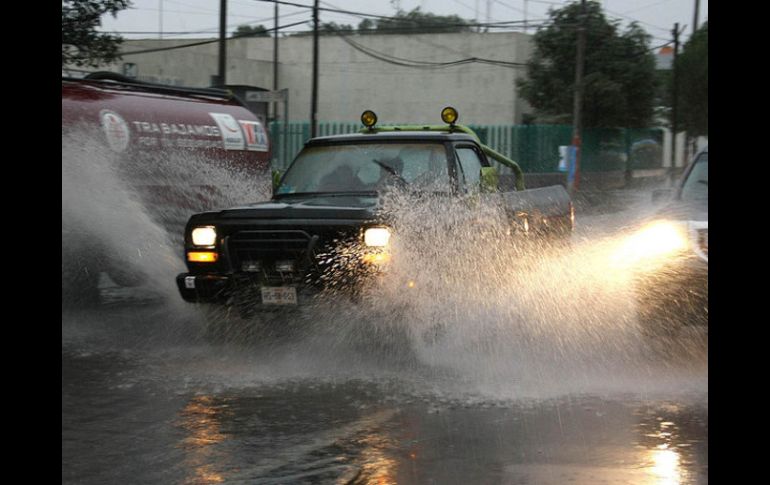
<point x="695" y="17"/>
<point x="577" y="114"/>
<point x="526" y="9"/>
<point x="314" y="94"/>
<point x="275" y="60"/>
<point x="222" y="42"/>
<point x="674" y="103"/>
<point x="160" y="19"/>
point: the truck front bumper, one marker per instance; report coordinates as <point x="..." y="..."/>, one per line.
<point x="203" y="288"/>
<point x="241" y="290"/>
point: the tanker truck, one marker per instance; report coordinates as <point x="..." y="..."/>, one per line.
<point x="137" y="160"/>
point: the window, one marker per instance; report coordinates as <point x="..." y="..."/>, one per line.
<point x="367" y="167"/>
<point x="470" y="168"/>
<point x="696" y="187"/>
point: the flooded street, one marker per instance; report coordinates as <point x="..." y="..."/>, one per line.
<point x="148" y="398"/>
<point x="185" y="412"/>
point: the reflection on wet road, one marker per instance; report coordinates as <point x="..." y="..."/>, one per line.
<point x="176" y="409"/>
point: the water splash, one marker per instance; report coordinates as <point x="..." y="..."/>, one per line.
<point x="124" y="214"/>
<point x="504" y="312"/>
<point x="466" y="305"/>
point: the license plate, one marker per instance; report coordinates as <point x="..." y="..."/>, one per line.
<point x="279" y="295"/>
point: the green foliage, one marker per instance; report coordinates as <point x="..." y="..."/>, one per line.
<point x="693" y="80"/>
<point x="328" y="28"/>
<point x="416" y="22"/>
<point x="331" y="27"/>
<point x="251" y="31"/>
<point x="366" y="26"/>
<point x="81" y="44"/>
<point x="619" y="71"/>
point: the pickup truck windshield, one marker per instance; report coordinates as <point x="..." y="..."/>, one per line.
<point x="367" y="167"/>
<point x="696" y="187"/>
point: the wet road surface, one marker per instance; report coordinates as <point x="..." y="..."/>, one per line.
<point x="174" y="409"/>
<point x="146" y="398"/>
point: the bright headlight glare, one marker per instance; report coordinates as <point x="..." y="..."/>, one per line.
<point x="204" y="236"/>
<point x="658" y="239"/>
<point x="377" y="236"/>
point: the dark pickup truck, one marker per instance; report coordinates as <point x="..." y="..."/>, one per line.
<point x="672" y="284"/>
<point x="275" y="254"/>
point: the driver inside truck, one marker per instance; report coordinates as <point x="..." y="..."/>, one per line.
<point x="341" y="179"/>
<point x="390" y="172"/>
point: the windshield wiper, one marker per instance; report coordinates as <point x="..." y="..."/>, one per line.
<point x="368" y="193"/>
<point x="391" y="171"/>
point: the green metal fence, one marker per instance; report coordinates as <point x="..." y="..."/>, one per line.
<point x="534" y="147"/>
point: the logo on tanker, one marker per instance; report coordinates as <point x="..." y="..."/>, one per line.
<point x="115" y="129"/>
<point x="232" y="136"/>
<point x="256" y="139"/>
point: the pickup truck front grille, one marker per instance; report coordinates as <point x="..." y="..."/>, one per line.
<point x="264" y="251"/>
<point x="260" y="245"/>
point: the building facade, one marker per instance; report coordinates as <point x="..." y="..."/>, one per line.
<point x="403" y="78"/>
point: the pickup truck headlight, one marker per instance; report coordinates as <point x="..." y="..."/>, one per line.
<point x="660" y="239"/>
<point x="204" y="236"/>
<point x="377" y="236"/>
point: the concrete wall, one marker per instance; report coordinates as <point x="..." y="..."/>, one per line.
<point x="351" y="81"/>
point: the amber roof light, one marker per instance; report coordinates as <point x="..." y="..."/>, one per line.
<point x="368" y="118"/>
<point x="449" y="115"/>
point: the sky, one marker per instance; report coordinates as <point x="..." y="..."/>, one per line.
<point x="200" y="18"/>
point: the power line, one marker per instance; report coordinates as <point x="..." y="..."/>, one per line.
<point x="207" y="31"/>
<point x="620" y="15"/>
<point x="400" y="61"/>
<point x="515" y="9"/>
<point x="646" y="6"/>
<point x="194" y="44"/>
<point x="326" y="9"/>
<point x="188" y="12"/>
<point x="383" y="17"/>
<point x="380" y="31"/>
<point x="466" y="6"/>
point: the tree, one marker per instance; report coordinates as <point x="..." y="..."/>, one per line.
<point x="81" y="44"/>
<point x="251" y="31"/>
<point x="619" y="74"/>
<point x="366" y="26"/>
<point x="416" y="22"/>
<point x="693" y="79"/>
<point x="333" y="27"/>
<point x="328" y="28"/>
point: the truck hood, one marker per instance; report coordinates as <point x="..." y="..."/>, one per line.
<point x="318" y="206"/>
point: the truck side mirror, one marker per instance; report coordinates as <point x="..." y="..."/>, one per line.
<point x="276" y="174"/>
<point x="490" y="180"/>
